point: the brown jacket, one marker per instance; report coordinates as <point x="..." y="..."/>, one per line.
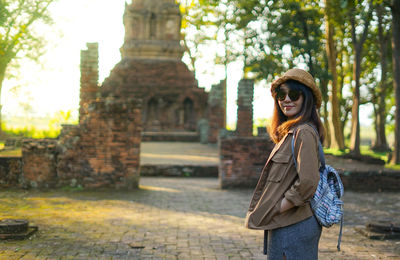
<point x="280" y="179"/>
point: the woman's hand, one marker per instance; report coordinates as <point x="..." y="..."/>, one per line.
<point x="286" y="205"/>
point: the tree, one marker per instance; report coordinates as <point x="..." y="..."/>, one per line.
<point x="17" y="36"/>
<point x="358" y="45"/>
<point x="395" y="7"/>
<point x="195" y="26"/>
<point x="207" y="22"/>
<point x="380" y="43"/>
<point x="281" y="35"/>
<point x="331" y="17"/>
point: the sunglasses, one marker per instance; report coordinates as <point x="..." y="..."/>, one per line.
<point x="293" y="94"/>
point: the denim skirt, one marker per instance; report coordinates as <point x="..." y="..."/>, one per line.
<point x="297" y="241"/>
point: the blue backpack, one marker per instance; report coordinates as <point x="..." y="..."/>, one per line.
<point x="326" y="202"/>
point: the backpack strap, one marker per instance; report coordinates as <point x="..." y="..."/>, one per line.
<point x="320" y="150"/>
<point x="340" y="234"/>
<point x="265" y="249"/>
<point x="340" y="189"/>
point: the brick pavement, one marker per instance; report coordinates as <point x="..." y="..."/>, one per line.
<point x="178" y="153"/>
<point x="171" y="218"/>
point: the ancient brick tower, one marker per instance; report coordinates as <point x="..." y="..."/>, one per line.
<point x="151" y="69"/>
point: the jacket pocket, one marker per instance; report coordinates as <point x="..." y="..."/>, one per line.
<point x="279" y="166"/>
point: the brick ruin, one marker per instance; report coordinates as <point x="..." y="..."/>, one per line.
<point x="244" y="125"/>
<point x="152" y="70"/>
<point x="242" y="155"/>
<point x="149" y="91"/>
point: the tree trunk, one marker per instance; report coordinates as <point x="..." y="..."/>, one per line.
<point x="341" y="78"/>
<point x="396" y="76"/>
<point x="380" y="114"/>
<point x="327" y="142"/>
<point x="355" y="116"/>
<point x="337" y="139"/>
<point x="358" y="47"/>
<point x="2" y="76"/>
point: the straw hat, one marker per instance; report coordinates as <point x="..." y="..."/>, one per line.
<point x="301" y="76"/>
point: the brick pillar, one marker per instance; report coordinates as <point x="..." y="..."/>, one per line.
<point x="89" y="77"/>
<point x="216" y="111"/>
<point x="244" y="125"/>
<point x="111" y="144"/>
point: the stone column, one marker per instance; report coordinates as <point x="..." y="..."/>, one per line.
<point x="89" y="77"/>
<point x="244" y="125"/>
<point x="216" y="112"/>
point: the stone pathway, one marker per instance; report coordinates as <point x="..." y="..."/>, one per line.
<point x="178" y="153"/>
<point x="172" y="218"/>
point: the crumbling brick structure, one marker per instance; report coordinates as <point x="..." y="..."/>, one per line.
<point x="216" y="111"/>
<point x="150" y="90"/>
<point x="243" y="156"/>
<point x="151" y="69"/>
<point x="102" y="151"/>
<point x="244" y="125"/>
<point x="89" y="77"/>
<point x="105" y="150"/>
<point x="242" y="159"/>
<point x="39" y="163"/>
<point x="10" y="172"/>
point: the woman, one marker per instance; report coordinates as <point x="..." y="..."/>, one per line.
<point x="281" y="200"/>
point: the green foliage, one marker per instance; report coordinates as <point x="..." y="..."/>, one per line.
<point x="365" y="150"/>
<point x="280" y="35"/>
<point x="18" y="38"/>
<point x="31" y="132"/>
<point x="197" y="21"/>
<point x="34" y="131"/>
<point x="261" y="122"/>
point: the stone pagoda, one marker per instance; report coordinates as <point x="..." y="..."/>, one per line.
<point x="151" y="69"/>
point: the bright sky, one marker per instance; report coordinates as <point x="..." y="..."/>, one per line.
<point x="54" y="85"/>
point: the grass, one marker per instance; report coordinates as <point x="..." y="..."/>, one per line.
<point x="365" y="150"/>
<point x="11" y="153"/>
<point x="31" y="132"/>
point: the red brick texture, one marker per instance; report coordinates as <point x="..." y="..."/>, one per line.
<point x="39" y="163"/>
<point x="89" y="77"/>
<point x="242" y="159"/>
<point x="216" y="111"/>
<point x="105" y="150"/>
<point x="171" y="99"/>
<point x="244" y="125"/>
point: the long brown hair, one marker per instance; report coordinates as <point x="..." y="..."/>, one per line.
<point x="280" y="124"/>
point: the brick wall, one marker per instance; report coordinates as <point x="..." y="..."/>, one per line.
<point x="242" y="159"/>
<point x="104" y="151"/>
<point x="10" y="172"/>
<point x="39" y="163"/>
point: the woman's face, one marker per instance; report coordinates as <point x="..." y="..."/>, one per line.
<point x="289" y="107"/>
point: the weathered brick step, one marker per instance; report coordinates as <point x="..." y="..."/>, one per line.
<point x="179" y="170"/>
<point x="170" y="136"/>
